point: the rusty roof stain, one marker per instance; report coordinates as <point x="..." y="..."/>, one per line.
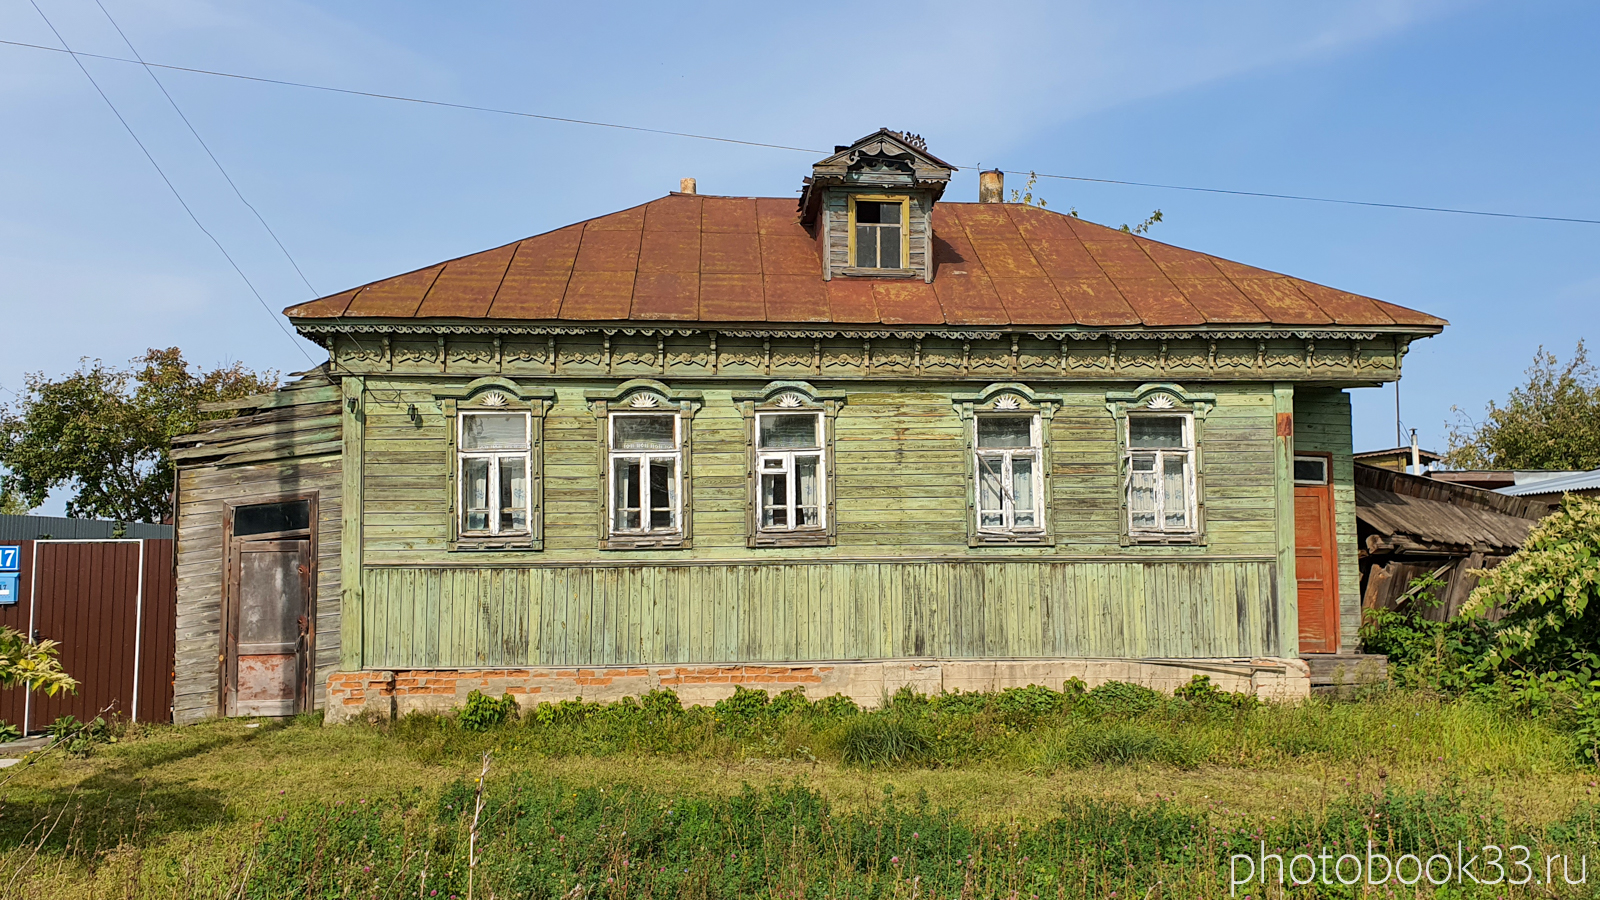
<point x="696" y="258"/>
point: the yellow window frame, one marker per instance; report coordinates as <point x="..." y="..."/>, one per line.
<point x="905" y="225"/>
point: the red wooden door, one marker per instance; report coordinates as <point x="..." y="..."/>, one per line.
<point x="1316" y="555"/>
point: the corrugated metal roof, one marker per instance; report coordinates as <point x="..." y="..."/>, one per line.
<point x="1558" y="484"/>
<point x="695" y="258"/>
<point x="31" y="528"/>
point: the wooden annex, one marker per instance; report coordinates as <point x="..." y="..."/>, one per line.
<point x="868" y="440"/>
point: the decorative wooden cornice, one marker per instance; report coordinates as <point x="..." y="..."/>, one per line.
<point x="1332" y="356"/>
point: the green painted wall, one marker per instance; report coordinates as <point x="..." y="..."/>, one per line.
<point x="1322" y="424"/>
<point x="901" y="501"/>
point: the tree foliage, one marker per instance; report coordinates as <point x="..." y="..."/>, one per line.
<point x="35" y="665"/>
<point x="1549" y="591"/>
<point x="1027" y="197"/>
<point x="1552" y="422"/>
<point x="105" y="433"/>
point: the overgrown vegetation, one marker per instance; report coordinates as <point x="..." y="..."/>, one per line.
<point x="1028" y="792"/>
<point x="1538" y="653"/>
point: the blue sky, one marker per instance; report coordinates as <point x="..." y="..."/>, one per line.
<point x="1437" y="103"/>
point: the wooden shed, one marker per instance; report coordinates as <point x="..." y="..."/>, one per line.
<point x="1412" y="526"/>
<point x="258" y="538"/>
<point x="868" y="440"/>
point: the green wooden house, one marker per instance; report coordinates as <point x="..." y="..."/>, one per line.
<point x="871" y="439"/>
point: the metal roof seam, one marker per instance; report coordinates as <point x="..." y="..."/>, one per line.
<point x="1140" y="242"/>
<point x="510" y="261"/>
<point x="429" y="289"/>
<point x="576" y="249"/>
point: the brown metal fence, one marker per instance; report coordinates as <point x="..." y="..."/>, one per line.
<point x="110" y="605"/>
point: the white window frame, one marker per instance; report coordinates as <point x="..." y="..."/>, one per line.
<point x="1190" y="493"/>
<point x="644" y="457"/>
<point x="1034" y="450"/>
<point x="525" y="453"/>
<point x="786" y="457"/>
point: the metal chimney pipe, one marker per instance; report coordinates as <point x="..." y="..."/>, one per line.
<point x="686" y="186"/>
<point x="992" y="186"/>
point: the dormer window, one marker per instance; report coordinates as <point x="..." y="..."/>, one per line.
<point x="877" y="232"/>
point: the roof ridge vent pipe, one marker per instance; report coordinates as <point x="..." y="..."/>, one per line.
<point x="992" y="186"/>
<point x="686" y="186"/>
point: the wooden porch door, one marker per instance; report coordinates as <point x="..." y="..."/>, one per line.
<point x="269" y="610"/>
<point x="1316" y="559"/>
<point x="268" y="647"/>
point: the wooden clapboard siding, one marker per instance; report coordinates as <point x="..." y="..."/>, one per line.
<point x="1322" y="424"/>
<point x="900" y="455"/>
<point x="439" y="617"/>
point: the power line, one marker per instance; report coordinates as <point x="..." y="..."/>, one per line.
<point x="168" y="181"/>
<point x="773" y="146"/>
<point x="444" y="103"/>
<point x="1438" y="209"/>
<point x="218" y="163"/>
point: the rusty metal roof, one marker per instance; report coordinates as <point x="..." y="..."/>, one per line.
<point x="705" y="259"/>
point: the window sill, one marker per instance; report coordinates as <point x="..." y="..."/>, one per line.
<point x="879" y="273"/>
<point x="790" y="539"/>
<point x="1191" y="539"/>
<point x="486" y="544"/>
<point x="673" y="541"/>
<point x="998" y="539"/>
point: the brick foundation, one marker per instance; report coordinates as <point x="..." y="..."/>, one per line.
<point x="390" y="693"/>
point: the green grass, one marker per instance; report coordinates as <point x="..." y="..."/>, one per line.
<point x="1024" y="792"/>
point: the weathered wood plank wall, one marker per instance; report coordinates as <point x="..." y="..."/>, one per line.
<point x="201" y="568"/>
<point x="901" y="479"/>
<point x="440" y="617"/>
<point x="904" y="581"/>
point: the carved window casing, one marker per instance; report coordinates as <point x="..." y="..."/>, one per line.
<point x="645" y="464"/>
<point x="1009" y="475"/>
<point x="494" y="458"/>
<point x="790" y="466"/>
<point x="1009" y="482"/>
<point x="1161" y="463"/>
<point x="645" y="475"/>
<point x="496" y="464"/>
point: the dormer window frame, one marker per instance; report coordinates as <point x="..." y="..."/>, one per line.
<point x="904" y="201"/>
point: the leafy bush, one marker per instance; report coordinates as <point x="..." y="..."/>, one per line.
<point x="1123" y="697"/>
<point x="9" y="732"/>
<point x="745" y="706"/>
<point x="1024" y="706"/>
<point x="662" y="704"/>
<point x="1548" y="591"/>
<point x="1202" y="694"/>
<point x="483" y="712"/>
<point x="80" y="738"/>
